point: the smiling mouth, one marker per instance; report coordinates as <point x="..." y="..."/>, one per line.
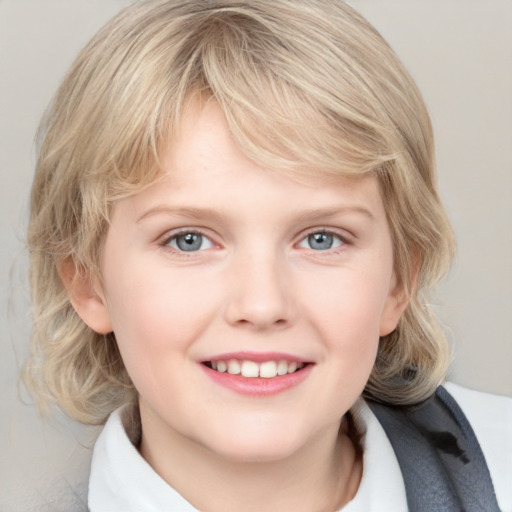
<point x="252" y="369"/>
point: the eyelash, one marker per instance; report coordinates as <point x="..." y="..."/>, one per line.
<point x="343" y="238"/>
<point x="166" y="242"/>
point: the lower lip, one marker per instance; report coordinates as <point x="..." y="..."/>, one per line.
<point x="258" y="386"/>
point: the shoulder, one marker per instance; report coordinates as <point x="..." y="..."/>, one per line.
<point x="491" y="419"/>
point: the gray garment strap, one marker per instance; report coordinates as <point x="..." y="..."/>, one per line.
<point x="442" y="464"/>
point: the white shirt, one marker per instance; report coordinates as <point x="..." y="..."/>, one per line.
<point x="122" y="481"/>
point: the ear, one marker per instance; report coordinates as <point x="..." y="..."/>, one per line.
<point x="86" y="297"/>
<point x="397" y="301"/>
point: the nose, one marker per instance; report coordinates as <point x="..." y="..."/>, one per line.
<point x="260" y="294"/>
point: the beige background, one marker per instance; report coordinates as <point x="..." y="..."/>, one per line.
<point x="460" y="53"/>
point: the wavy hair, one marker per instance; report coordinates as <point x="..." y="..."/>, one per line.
<point x="304" y="84"/>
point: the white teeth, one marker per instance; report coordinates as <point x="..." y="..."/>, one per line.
<point x="266" y="370"/>
<point x="282" y="368"/>
<point x="250" y="369"/>
<point x="233" y="367"/>
<point x="292" y="367"/>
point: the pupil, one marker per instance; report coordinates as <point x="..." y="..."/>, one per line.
<point x="189" y="242"/>
<point x="320" y="241"/>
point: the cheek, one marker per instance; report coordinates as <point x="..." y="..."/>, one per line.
<point x="345" y="315"/>
<point x="346" y="310"/>
<point x="157" y="318"/>
<point x="349" y="305"/>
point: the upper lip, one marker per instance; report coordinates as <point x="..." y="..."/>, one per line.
<point x="257" y="357"/>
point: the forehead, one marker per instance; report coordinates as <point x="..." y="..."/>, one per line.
<point x="204" y="168"/>
<point x="204" y="143"/>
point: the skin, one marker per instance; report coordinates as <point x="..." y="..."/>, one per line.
<point x="258" y="285"/>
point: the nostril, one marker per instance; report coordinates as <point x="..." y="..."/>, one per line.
<point x="262" y="323"/>
<point x="255" y="304"/>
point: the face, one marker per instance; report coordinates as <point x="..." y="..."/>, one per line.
<point x="225" y="267"/>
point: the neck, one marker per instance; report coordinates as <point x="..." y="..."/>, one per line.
<point x="322" y="476"/>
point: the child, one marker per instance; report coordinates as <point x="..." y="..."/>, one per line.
<point x="234" y="230"/>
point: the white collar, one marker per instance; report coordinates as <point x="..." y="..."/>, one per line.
<point x="122" y="481"/>
<point x="382" y="486"/>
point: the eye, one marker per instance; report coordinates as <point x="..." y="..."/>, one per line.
<point x="321" y="241"/>
<point x="189" y="242"/>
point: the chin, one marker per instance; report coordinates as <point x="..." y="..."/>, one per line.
<point x="254" y="446"/>
<point x="254" y="453"/>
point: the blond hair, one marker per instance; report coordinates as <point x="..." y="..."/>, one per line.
<point x="304" y="84"/>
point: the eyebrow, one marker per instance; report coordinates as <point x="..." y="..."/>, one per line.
<point x="187" y="212"/>
<point x="328" y="213"/>
<point x="197" y="214"/>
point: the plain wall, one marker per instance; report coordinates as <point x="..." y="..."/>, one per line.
<point x="460" y="53"/>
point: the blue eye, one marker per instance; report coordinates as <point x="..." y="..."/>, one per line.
<point x="321" y="241"/>
<point x="190" y="242"/>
